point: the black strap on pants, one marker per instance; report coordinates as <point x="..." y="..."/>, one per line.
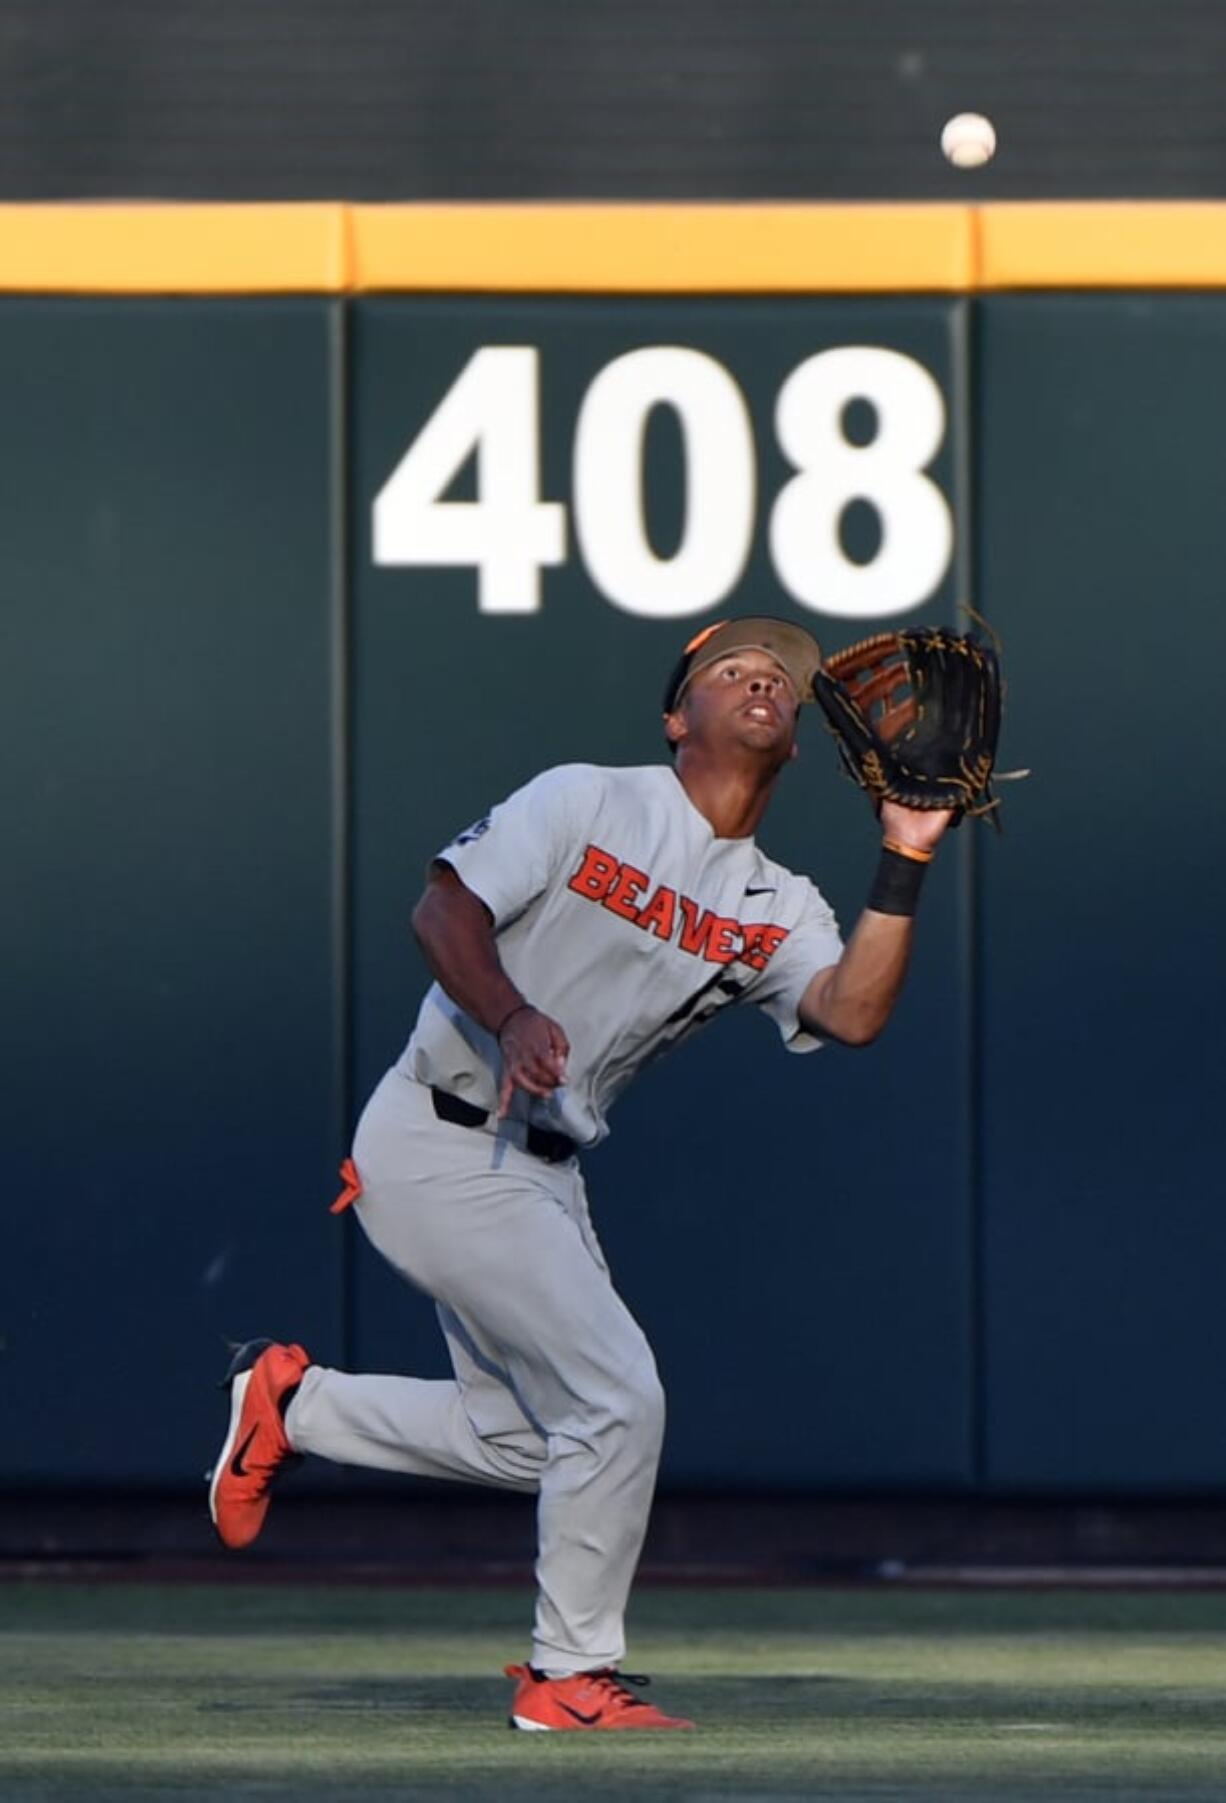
<point x="542" y="1142"/>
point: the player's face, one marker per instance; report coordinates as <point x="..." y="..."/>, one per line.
<point x="745" y="698"/>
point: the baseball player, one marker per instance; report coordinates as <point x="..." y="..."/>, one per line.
<point x="590" y="922"/>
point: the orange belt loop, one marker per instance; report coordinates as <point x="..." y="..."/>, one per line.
<point x="352" y="1189"/>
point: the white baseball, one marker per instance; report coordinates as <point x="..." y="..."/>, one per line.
<point x="968" y="140"/>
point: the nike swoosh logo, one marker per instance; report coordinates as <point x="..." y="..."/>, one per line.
<point x="236" y="1463"/>
<point x="587" y="1720"/>
<point x="759" y="888"/>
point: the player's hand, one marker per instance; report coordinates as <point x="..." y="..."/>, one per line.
<point x="534" y="1053"/>
<point x="918" y="827"/>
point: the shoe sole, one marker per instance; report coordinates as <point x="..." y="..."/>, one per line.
<point x="523" y="1722"/>
<point x="238" y="1390"/>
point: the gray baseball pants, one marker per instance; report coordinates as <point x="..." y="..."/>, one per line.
<point x="555" y="1387"/>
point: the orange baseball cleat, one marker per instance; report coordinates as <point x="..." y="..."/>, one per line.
<point x="262" y="1380"/>
<point x="599" y="1699"/>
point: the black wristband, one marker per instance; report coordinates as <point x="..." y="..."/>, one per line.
<point x="897" y="884"/>
<point x="510" y="1015"/>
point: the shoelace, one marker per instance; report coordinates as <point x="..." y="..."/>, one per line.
<point x="608" y="1678"/>
<point x="615" y="1683"/>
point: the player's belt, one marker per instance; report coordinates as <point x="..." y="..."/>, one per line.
<point x="542" y="1142"/>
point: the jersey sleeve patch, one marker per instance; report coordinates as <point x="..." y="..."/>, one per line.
<point x="514" y="853"/>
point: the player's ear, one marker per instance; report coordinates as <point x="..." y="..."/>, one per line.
<point x="676" y="727"/>
<point x="794" y="752"/>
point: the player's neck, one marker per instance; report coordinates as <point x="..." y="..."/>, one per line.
<point x="732" y="797"/>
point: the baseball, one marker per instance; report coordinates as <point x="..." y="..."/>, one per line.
<point x="968" y="140"/>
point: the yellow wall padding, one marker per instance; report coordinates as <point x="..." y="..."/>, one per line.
<point x="1103" y="244"/>
<point x="672" y="248"/>
<point x="134" y="248"/>
<point x="608" y="248"/>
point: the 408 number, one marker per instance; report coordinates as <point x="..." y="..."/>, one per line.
<point x="508" y="534"/>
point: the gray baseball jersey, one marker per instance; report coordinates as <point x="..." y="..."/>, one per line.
<point x="619" y="913"/>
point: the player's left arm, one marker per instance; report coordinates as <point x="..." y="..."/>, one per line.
<point x="851" y="1001"/>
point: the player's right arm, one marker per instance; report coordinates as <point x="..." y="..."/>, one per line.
<point x="456" y="933"/>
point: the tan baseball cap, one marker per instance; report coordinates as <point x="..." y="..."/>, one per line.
<point x="795" y="650"/>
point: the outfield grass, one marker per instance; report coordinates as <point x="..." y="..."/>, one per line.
<point x="322" y="1693"/>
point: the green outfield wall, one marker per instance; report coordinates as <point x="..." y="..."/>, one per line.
<point x="295" y="585"/>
